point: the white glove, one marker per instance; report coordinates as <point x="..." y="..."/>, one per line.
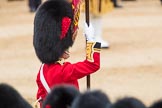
<point x="89" y="32"/>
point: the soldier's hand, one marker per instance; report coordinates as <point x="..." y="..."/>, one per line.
<point x="89" y="32"/>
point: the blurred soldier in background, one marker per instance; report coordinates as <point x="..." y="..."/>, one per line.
<point x="15" y="0"/>
<point x="34" y="4"/>
<point x="98" y="8"/>
<point x="128" y="0"/>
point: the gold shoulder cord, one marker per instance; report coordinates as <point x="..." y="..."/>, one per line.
<point x="60" y="61"/>
<point x="36" y="102"/>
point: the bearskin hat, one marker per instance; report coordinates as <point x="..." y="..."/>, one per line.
<point x="157" y="104"/>
<point x="128" y="102"/>
<point x="92" y="99"/>
<point x="61" y="97"/>
<point x="10" y="98"/>
<point x="53" y="29"/>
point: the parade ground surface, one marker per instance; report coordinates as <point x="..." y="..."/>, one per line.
<point x="132" y="66"/>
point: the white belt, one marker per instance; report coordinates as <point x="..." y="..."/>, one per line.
<point x="43" y="80"/>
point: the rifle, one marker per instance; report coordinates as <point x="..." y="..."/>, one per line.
<point x="88" y="23"/>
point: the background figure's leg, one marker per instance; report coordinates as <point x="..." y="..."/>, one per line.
<point x="97" y="24"/>
<point x="114" y="2"/>
<point x="37" y="3"/>
<point x="32" y="5"/>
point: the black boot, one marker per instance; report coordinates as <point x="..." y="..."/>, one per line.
<point x="116" y="4"/>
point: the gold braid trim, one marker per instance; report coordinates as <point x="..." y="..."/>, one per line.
<point x="90" y="51"/>
<point x="97" y="49"/>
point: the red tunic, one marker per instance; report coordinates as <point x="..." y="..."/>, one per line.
<point x="67" y="73"/>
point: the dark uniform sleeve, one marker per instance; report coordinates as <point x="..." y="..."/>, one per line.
<point x="88" y="66"/>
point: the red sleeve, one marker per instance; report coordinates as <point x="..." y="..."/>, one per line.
<point x="81" y="69"/>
